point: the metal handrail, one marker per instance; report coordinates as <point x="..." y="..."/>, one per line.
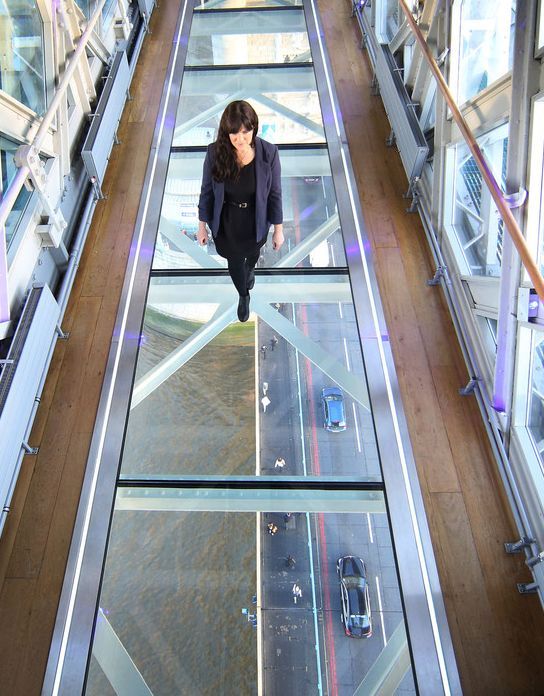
<point x="504" y="209"/>
<point x="10" y="196"/>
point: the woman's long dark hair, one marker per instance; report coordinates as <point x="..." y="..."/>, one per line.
<point x="238" y="114"/>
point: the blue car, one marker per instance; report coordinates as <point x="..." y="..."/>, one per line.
<point x="334" y="414"/>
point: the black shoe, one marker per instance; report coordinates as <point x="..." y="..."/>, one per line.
<point x="250" y="279"/>
<point x="243" y="308"/>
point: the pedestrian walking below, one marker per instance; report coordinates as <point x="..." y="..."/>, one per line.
<point x="272" y="528"/>
<point x="279" y="463"/>
<point x="273" y="342"/>
<point x="265" y="401"/>
<point x="297" y="592"/>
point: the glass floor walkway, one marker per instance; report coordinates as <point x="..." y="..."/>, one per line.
<point x="210" y="432"/>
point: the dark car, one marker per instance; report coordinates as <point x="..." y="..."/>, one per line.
<point x="334" y="414"/>
<point x="356" y="614"/>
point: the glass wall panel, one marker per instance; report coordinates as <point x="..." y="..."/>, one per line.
<point x="476" y="222"/>
<point x="536" y="394"/>
<point x="22" y="73"/>
<point x="7" y="172"/>
<point x="393" y="18"/>
<point x="287" y="385"/>
<point x="85" y="6"/>
<point x="108" y="11"/>
<point x="244" y="38"/>
<point x="217" y="598"/>
<point x="486" y="37"/>
<point x="311" y="223"/>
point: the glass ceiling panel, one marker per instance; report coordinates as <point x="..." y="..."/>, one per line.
<point x="285" y="99"/>
<point x="313" y="237"/>
<point x="283" y="394"/>
<point x="258" y="593"/>
<point x="245" y="38"/>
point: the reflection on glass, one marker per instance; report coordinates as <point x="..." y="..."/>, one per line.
<point x="85" y="7"/>
<point x="108" y="11"/>
<point x="536" y="397"/>
<point x="284" y="98"/>
<point x="287" y="385"/>
<point x="21" y="53"/>
<point x="7" y="172"/>
<point x="201" y="598"/>
<point x="486" y="44"/>
<point x="311" y="224"/>
<point x="477" y="223"/>
<point x="243" y="38"/>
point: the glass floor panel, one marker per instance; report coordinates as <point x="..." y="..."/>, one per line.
<point x="287" y="385"/>
<point x="243" y="4"/>
<point x="311" y="224"/>
<point x="285" y="99"/>
<point x="287" y="614"/>
<point x="245" y="38"/>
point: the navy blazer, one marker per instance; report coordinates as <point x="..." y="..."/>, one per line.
<point x="268" y="208"/>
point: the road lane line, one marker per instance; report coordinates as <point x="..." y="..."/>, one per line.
<point x="356" y="427"/>
<point x="347" y="356"/>
<point x="257" y="404"/>
<point x="314" y="608"/>
<point x="370" y="528"/>
<point x="259" y="522"/>
<point x="316" y="469"/>
<point x="258" y="611"/>
<point x="381" y="610"/>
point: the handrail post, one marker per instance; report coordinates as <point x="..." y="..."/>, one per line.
<point x="491" y="183"/>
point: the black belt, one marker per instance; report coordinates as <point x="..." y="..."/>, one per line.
<point x="240" y="205"/>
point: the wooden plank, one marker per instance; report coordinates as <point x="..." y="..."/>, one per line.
<point x="15" y="611"/>
<point x="42" y="496"/>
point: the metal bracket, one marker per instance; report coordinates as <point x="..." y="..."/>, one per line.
<point x="527" y="587"/>
<point x="438" y="275"/>
<point x="470" y="387"/>
<point x="390" y="141"/>
<point x="375" y="86"/>
<point x="515" y="200"/>
<point x="28" y="156"/>
<point x="61" y="334"/>
<point x="442" y="57"/>
<point x="518" y="546"/>
<point x="535" y="560"/>
<point x="28" y="449"/>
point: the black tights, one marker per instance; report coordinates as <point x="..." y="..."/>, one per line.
<point x="239" y="269"/>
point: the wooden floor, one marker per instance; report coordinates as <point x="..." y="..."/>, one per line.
<point x="498" y="635"/>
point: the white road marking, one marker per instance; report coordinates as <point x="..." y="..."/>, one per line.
<point x="356" y="427"/>
<point x="347" y="354"/>
<point x="380" y="605"/>
<point x="370" y="534"/>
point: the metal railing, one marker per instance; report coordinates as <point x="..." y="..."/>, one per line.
<point x="495" y="190"/>
<point x="10" y="196"/>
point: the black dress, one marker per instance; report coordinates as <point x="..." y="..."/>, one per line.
<point x="237" y="235"/>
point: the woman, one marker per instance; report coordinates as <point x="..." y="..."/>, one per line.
<point x="241" y="197"/>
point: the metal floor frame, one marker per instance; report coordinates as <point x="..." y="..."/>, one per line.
<point x="432" y="654"/>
